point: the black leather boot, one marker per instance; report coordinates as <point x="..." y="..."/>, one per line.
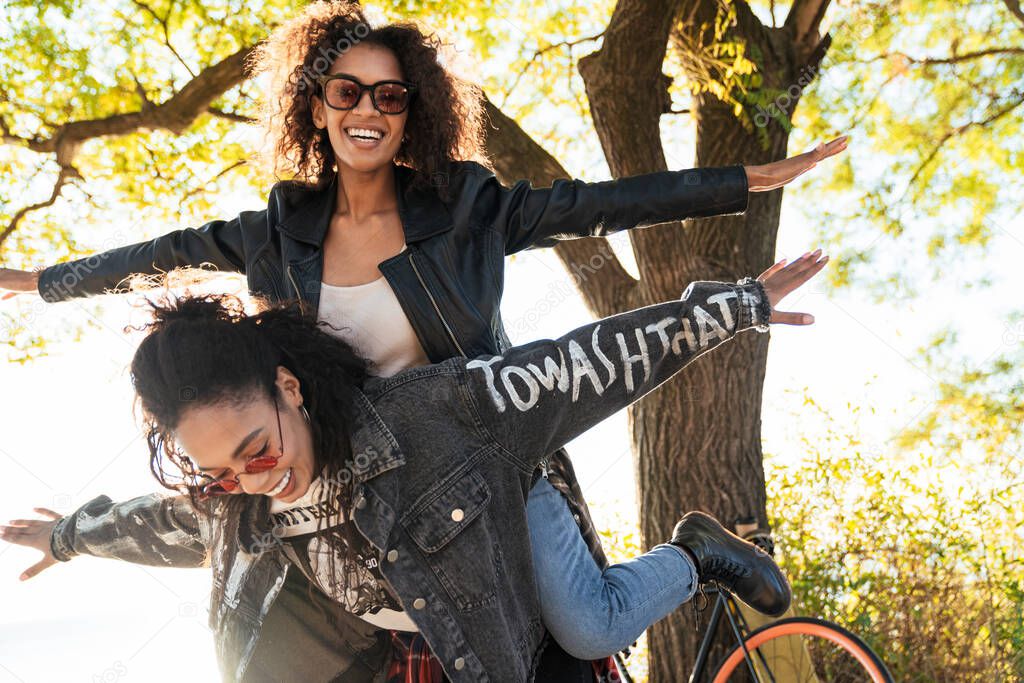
<point x="740" y="567"/>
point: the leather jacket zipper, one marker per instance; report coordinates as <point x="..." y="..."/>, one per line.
<point x="437" y="310"/>
<point x="291" y="277"/>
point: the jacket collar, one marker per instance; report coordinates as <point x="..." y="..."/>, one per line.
<point x="421" y="211"/>
<point x="374" y="447"/>
<point x="374" y="451"/>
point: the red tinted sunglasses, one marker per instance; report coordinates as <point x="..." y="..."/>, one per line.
<point x="254" y="465"/>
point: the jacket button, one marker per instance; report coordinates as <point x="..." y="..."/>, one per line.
<point x="419" y="603"/>
<point x="458" y="515"/>
<point x="392" y="555"/>
<point x="460" y="664"/>
<point x="361" y="502"/>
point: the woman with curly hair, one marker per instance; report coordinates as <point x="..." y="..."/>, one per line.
<point x="391" y="228"/>
<point x="410" y="490"/>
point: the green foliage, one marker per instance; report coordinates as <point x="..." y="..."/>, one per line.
<point x="932" y="92"/>
<point x="977" y="410"/>
<point x="620" y="538"/>
<point x="726" y="66"/>
<point x="70" y="61"/>
<point x="918" y="550"/>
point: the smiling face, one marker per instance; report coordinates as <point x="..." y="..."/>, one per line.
<point x="368" y="63"/>
<point x="220" y="439"/>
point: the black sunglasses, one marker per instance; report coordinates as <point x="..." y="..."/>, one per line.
<point x="342" y="91"/>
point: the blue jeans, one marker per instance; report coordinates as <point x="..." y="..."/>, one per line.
<point x="593" y="613"/>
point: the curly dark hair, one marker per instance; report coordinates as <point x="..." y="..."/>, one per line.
<point x="445" y="122"/>
<point x="202" y="351"/>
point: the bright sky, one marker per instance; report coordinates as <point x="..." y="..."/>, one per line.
<point x="69" y="434"/>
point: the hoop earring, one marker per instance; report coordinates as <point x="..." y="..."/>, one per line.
<point x="305" y="413"/>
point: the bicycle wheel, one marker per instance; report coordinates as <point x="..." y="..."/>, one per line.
<point x="804" y="650"/>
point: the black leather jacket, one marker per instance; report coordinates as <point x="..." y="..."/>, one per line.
<point x="450" y="280"/>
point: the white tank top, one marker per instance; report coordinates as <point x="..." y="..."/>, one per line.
<point x="370" y="318"/>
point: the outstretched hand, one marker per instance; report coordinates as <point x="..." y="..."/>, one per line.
<point x="33" y="533"/>
<point x="781" y="279"/>
<point x="776" y="174"/>
<point x="14" y="282"/>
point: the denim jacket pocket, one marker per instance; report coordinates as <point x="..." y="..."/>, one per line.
<point x="458" y="541"/>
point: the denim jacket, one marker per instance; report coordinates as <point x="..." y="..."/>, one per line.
<point x="443" y="460"/>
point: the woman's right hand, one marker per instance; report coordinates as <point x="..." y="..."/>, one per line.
<point x="33" y="533"/>
<point x="15" y="282"/>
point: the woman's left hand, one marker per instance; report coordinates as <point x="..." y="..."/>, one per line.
<point x="782" y="278"/>
<point x="776" y="174"/>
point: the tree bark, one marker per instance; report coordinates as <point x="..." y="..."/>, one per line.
<point x="697" y="439"/>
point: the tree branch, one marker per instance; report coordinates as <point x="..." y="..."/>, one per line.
<point x="163" y="21"/>
<point x="956" y="132"/>
<point x="537" y="54"/>
<point x="66" y="173"/>
<point x="804" y="20"/>
<point x="200" y="188"/>
<point x="1015" y="10"/>
<point x="952" y="59"/>
<point x="515" y="155"/>
<point x="230" y="115"/>
<point x="140" y="90"/>
<point x="175" y="115"/>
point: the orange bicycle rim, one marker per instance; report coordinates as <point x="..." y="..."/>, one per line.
<point x="800" y="629"/>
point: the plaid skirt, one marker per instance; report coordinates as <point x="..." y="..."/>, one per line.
<point x="413" y="662"/>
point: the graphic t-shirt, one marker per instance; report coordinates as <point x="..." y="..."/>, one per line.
<point x="298" y="645"/>
<point x="368" y="594"/>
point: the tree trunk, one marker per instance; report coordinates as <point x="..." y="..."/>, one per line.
<point x="697" y="439"/>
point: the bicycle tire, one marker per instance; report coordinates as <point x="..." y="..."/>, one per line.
<point x="809" y="627"/>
